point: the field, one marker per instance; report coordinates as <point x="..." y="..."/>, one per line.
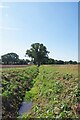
<point x="53" y="90"/>
<point x="13" y="66"/>
<point x="15" y="82"/>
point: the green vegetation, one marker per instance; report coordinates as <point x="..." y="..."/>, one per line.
<point x="12" y="59"/>
<point x="15" y="82"/>
<point x="39" y="56"/>
<point x="38" y="52"/>
<point x="53" y="91"/>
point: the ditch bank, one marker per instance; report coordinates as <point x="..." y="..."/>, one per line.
<point x="15" y="83"/>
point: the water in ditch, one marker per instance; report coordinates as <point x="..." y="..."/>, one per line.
<point x="25" y="107"/>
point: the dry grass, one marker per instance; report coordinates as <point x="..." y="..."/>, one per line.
<point x="13" y="66"/>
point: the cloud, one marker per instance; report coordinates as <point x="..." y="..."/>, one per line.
<point x="8" y="28"/>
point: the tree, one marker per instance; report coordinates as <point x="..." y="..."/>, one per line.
<point x="74" y="62"/>
<point x="23" y="62"/>
<point x="10" y="58"/>
<point x="51" y="61"/>
<point x="60" y="62"/>
<point x="70" y="62"/>
<point x="38" y="52"/>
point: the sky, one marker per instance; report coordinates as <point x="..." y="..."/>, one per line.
<point x="54" y="24"/>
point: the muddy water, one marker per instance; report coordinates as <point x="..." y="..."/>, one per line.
<point x="25" y="107"/>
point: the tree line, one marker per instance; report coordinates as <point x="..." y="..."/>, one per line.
<point x="13" y="59"/>
<point x="38" y="54"/>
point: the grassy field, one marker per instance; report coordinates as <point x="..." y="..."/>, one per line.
<point x="53" y="90"/>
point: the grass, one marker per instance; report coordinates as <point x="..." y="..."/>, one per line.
<point x="54" y="93"/>
<point x="53" y="90"/>
<point x="15" y="82"/>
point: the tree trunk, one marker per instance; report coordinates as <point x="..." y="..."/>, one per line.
<point x="38" y="64"/>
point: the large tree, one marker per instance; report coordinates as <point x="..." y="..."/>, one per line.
<point x="10" y="58"/>
<point x="38" y="52"/>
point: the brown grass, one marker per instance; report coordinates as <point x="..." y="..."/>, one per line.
<point x="13" y="66"/>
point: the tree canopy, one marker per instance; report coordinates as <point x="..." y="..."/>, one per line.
<point x="13" y="59"/>
<point x="10" y="58"/>
<point x="38" y="52"/>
